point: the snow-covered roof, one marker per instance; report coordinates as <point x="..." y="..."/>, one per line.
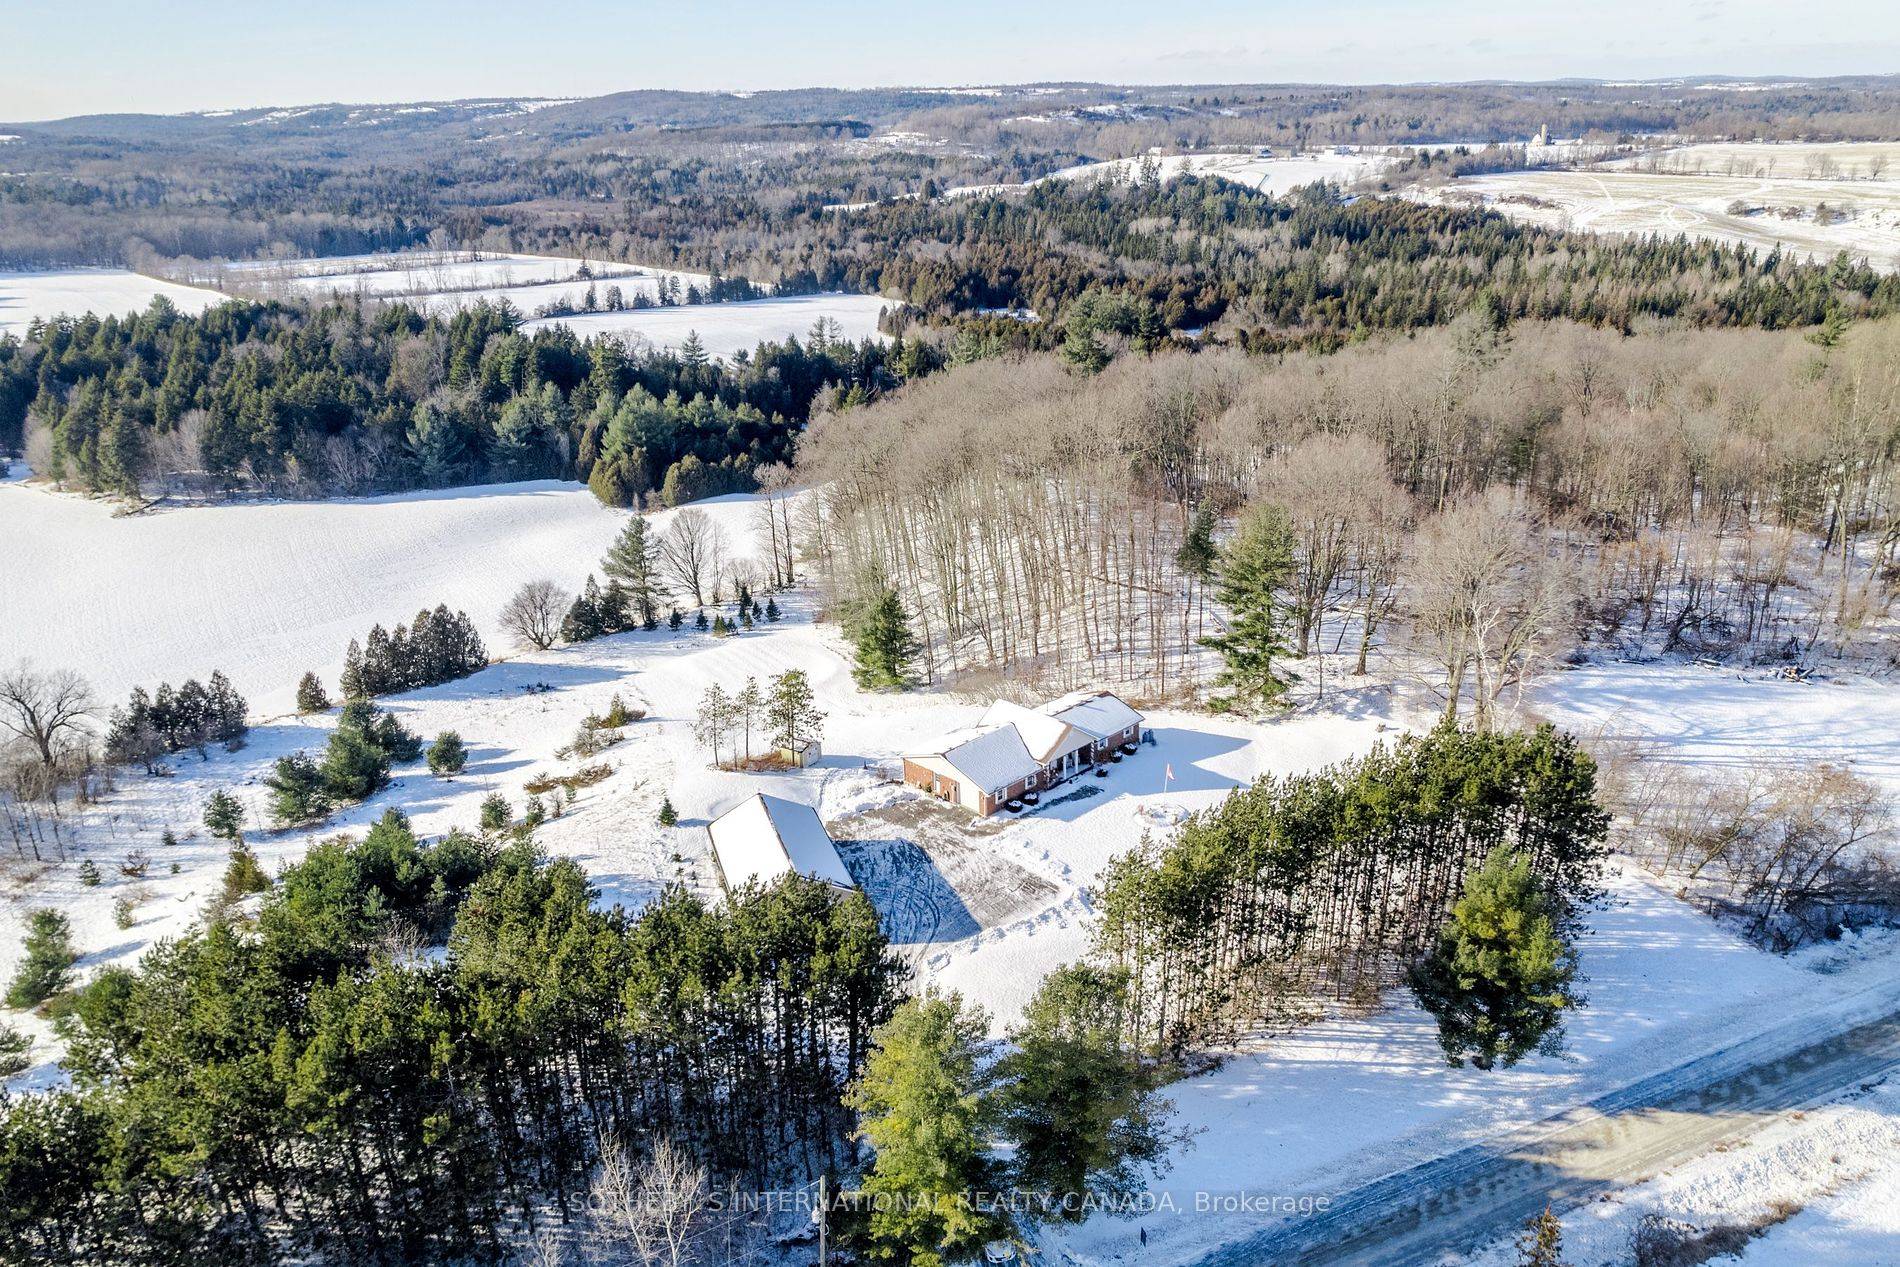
<point x="990" y="757"/>
<point x="1097" y="714"/>
<point x="766" y="837"/>
<point x="1042" y="734"/>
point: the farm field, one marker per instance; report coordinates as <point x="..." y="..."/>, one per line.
<point x="1862" y="217"/>
<point x="727" y="329"/>
<point x="413" y="272"/>
<point x="1849" y="160"/>
<point x="308" y="576"/>
<point x="27" y="296"/>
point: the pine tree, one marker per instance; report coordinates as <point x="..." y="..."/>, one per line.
<point x="674" y="620"/>
<point x="311" y="697"/>
<point x="584" y="622"/>
<point x="699" y="620"/>
<point x="748" y="708"/>
<point x="1076" y="1101"/>
<point x="922" y="1105"/>
<point x="447" y="755"/>
<point x="351" y="683"/>
<point x="714" y="723"/>
<point x="297" y="790"/>
<point x="771" y="611"/>
<point x="243" y="874"/>
<point x="495" y="814"/>
<point x="792" y="711"/>
<point x="1251" y="569"/>
<point x="224" y="816"/>
<point x="885" y="645"/>
<point x="1499" y="979"/>
<point x="89" y="873"/>
<point x="669" y="817"/>
<point x="14" y="1049"/>
<point x="46" y="960"/>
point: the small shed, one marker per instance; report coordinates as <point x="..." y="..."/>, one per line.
<point x="801" y="754"/>
<point x="765" y="838"/>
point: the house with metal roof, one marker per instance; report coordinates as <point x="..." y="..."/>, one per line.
<point x="765" y="838"/>
<point x="1015" y="752"/>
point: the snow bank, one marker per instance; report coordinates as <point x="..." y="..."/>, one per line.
<point x="728" y="328"/>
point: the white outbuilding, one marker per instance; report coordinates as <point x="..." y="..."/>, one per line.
<point x="765" y="838"/>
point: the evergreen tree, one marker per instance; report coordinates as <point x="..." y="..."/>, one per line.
<point x="495" y="814"/>
<point x="14" y="1047"/>
<point x="633" y="561"/>
<point x="792" y="711"/>
<point x="311" y="697"/>
<point x="243" y="875"/>
<point x="921" y="1103"/>
<point x="224" y="816"/>
<point x="1077" y="1104"/>
<point x="585" y="619"/>
<point x="771" y="611"/>
<point x="46" y="960"/>
<point x="674" y="620"/>
<point x="885" y="645"/>
<point x="447" y="755"/>
<point x="717" y="713"/>
<point x="1499" y="979"/>
<point x="1251" y="569"/>
<point x="699" y="620"/>
<point x="351" y="683"/>
<point x="89" y="873"/>
<point x="298" y="793"/>
<point x="669" y="817"/>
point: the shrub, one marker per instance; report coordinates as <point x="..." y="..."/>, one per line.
<point x="447" y="755"/>
<point x="243" y="875"/>
<point x="46" y="960"/>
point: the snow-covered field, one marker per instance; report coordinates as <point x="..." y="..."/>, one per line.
<point x="1852" y="160"/>
<point x="416" y="272"/>
<point x="726" y="329"/>
<point x="1269" y="174"/>
<point x="1861" y="216"/>
<point x="77" y="291"/>
<point x="266" y="590"/>
<point x="446" y="281"/>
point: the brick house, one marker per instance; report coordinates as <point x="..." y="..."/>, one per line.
<point x="1014" y="751"/>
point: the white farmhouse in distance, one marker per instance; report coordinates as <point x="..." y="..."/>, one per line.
<point x="765" y="838"/>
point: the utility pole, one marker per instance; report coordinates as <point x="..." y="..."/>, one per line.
<point x="820" y="1215"/>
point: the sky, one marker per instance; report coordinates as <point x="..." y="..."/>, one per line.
<point x="181" y="55"/>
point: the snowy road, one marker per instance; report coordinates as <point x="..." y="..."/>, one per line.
<point x="1479" y="1194"/>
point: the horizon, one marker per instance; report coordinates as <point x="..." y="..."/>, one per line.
<point x="128" y="61"/>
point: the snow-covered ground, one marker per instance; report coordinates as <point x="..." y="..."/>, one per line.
<point x="1269" y="174"/>
<point x="267" y="590"/>
<point x="416" y="272"/>
<point x="725" y="329"/>
<point x="77" y="291"/>
<point x="1861" y="216"/>
<point x="1719" y="717"/>
<point x="446" y="281"/>
<point x="1825" y="1181"/>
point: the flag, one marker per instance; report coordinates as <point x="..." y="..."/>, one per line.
<point x="1170" y="771"/>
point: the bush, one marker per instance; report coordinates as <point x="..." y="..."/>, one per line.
<point x="46" y="961"/>
<point x="14" y="1047"/>
<point x="447" y="755"/>
<point x="243" y="875"/>
<point x="135" y="865"/>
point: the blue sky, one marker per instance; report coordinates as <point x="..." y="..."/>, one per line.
<point x="199" y="54"/>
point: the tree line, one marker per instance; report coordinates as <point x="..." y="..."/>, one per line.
<point x="1334" y="883"/>
<point x="341" y="398"/>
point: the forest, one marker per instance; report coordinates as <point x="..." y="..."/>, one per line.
<point x="283" y="399"/>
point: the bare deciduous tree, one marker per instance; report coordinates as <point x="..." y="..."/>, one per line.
<point x="48" y="711"/>
<point x="1490" y="599"/>
<point x="533" y="616"/>
<point x="656" y="1208"/>
<point x="692" y="551"/>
